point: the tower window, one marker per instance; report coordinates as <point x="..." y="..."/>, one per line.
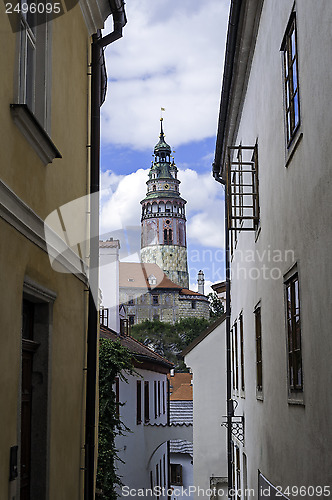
<point x="154" y="188"/>
<point x="168" y="237"/>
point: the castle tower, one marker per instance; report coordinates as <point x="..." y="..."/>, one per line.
<point x="163" y="223"/>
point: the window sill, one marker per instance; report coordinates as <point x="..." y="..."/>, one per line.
<point x="34" y="133"/>
<point x="293" y="147"/>
<point x="259" y="395"/>
<point x="296" y="398"/>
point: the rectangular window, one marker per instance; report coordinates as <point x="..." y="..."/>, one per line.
<point x="157" y="477"/>
<point x="159" y="400"/>
<point x="131" y="301"/>
<point x="139" y="402"/>
<point x="155" y="400"/>
<point x="294" y="334"/>
<point x="146" y="402"/>
<point x="241" y="350"/>
<point x="131" y="320"/>
<point x="155" y="300"/>
<point x="291" y="83"/>
<point x="176" y="474"/>
<point x="233" y="358"/>
<point x="163" y="397"/>
<point x="238" y="473"/>
<point x="117" y="395"/>
<point x="124" y="326"/>
<point x="258" y="332"/>
<point x="236" y="354"/>
<point x="193" y="304"/>
<point x="164" y="468"/>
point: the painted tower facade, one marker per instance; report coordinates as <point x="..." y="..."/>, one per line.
<point x="163" y="223"/>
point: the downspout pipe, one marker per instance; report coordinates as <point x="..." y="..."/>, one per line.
<point x="230" y="406"/>
<point x="217" y="169"/>
<point x="98" y="43"/>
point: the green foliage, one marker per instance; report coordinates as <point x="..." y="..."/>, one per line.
<point x="169" y="340"/>
<point x="216" y="305"/>
<point x="114" y="361"/>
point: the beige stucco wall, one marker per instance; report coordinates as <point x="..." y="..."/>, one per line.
<point x="289" y="443"/>
<point x="43" y="189"/>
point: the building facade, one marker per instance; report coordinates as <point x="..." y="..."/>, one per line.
<point x="273" y="151"/>
<point x="147" y="293"/>
<point x="206" y="357"/>
<point x="163" y="223"/>
<point x="45" y="115"/>
<point x="143" y="463"/>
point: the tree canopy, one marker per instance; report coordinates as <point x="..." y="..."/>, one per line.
<point x="169" y="340"/>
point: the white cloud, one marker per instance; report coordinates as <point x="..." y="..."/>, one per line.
<point x="120" y="207"/>
<point x="169" y="56"/>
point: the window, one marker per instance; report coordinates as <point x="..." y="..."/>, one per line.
<point x="31" y="107"/>
<point x="193" y="304"/>
<point x="117" y="395"/>
<point x="124" y="326"/>
<point x="139" y="402"/>
<point x="131" y="320"/>
<point x="238" y="473"/>
<point x="146" y="402"/>
<point x="159" y="400"/>
<point x="163" y="397"/>
<point x="155" y="300"/>
<point x="295" y="377"/>
<point x="241" y="350"/>
<point x="176" y="474"/>
<point x="258" y="331"/>
<point x="168" y="237"/>
<point x="157" y="478"/>
<point x="291" y="84"/>
<point x="156" y="317"/>
<point x="103" y="316"/>
<point x="155" y="400"/>
<point x="164" y="469"/>
<point x="236" y="357"/>
<point x="131" y="301"/>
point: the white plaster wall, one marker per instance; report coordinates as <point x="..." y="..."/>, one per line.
<point x="208" y="363"/>
<point x="132" y="446"/>
<point x="109" y="284"/>
<point x="290" y="444"/>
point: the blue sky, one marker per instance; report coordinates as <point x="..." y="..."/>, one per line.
<point x="171" y="56"/>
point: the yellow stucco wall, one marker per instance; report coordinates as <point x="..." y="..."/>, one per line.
<point x="45" y="188"/>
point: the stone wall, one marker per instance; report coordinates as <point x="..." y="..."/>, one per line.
<point x="170" y="308"/>
<point x="172" y="259"/>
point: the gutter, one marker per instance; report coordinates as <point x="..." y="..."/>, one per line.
<point x="97" y="98"/>
<point x="233" y="24"/>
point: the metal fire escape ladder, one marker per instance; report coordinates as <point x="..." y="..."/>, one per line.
<point x="242" y="189"/>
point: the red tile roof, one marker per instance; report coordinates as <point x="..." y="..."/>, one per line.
<point x="136" y="275"/>
<point x="139" y="350"/>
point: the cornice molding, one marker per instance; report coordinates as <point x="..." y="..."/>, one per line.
<point x="20" y="216"/>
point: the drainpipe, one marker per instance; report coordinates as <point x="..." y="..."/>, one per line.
<point x="97" y="60"/>
<point x="230" y="407"/>
<point x="232" y="33"/>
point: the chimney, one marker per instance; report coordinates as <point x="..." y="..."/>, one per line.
<point x="200" y="281"/>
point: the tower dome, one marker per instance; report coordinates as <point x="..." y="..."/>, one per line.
<point x="163" y="222"/>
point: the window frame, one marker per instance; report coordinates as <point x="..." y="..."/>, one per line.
<point x="176" y="473"/>
<point x="242" y="383"/>
<point x="138" y="402"/>
<point x="258" y="349"/>
<point x="146" y="401"/>
<point x="289" y="49"/>
<point x="294" y="338"/>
